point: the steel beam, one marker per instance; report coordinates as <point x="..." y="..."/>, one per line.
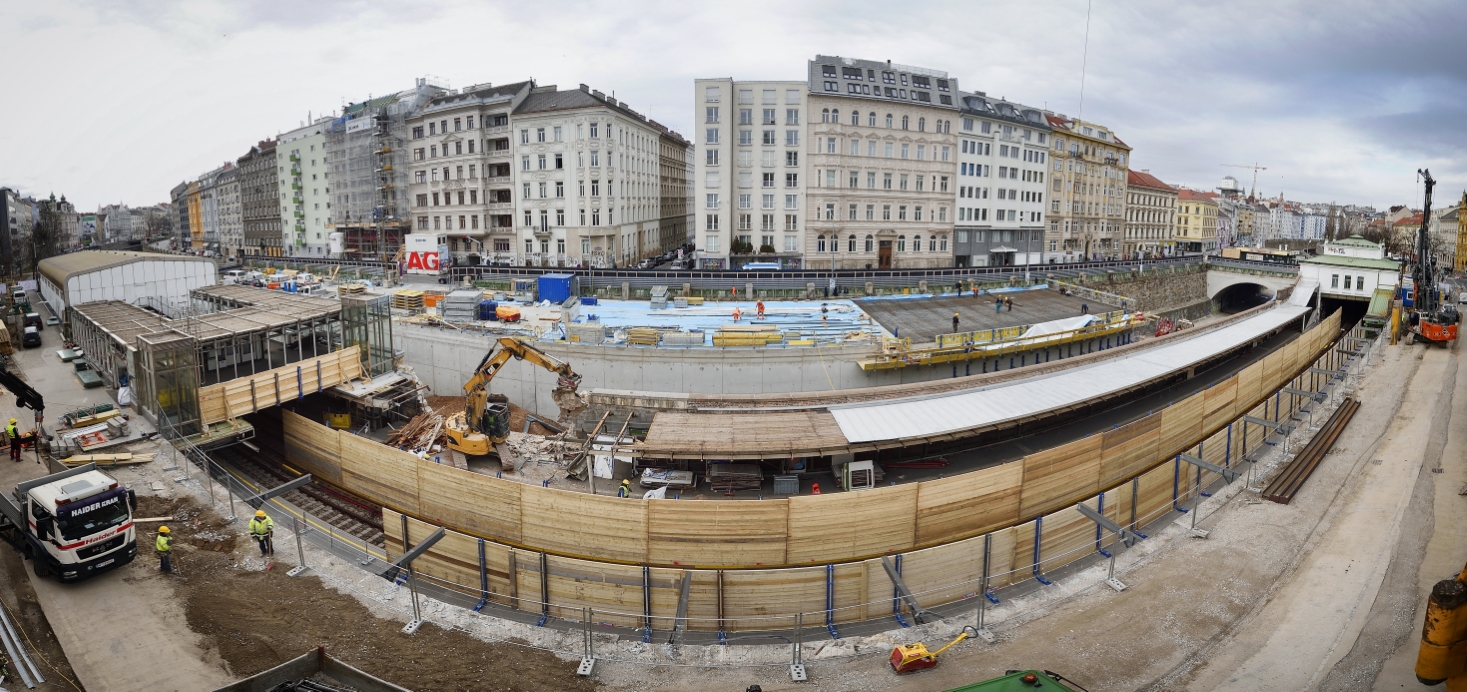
<point x="1228" y="474"/>
<point x="1127" y="536"/>
<point x="918" y="614"/>
<point x="1316" y="396"/>
<point x="1277" y="427"/>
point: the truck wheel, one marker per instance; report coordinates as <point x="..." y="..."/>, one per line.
<point x="42" y="569"/>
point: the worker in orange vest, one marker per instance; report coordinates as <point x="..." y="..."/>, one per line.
<point x="737" y="314"/>
<point x="760" y="306"/>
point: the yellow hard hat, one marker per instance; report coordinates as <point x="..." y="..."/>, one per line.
<point x="625" y="482"/>
<point x="12" y="420"/>
<point x="260" y="513"/>
<point x="162" y="529"/>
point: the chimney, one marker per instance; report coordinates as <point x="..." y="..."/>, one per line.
<point x="585" y="88"/>
<point x="611" y="101"/>
<point x="598" y="94"/>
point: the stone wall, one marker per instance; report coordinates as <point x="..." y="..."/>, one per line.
<point x="1155" y="290"/>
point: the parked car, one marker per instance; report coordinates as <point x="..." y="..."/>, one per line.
<point x="33" y="319"/>
<point x="31" y="338"/>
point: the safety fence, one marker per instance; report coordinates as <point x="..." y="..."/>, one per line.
<point x="1093" y="294"/>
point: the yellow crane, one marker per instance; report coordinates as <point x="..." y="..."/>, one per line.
<point x="484" y="423"/>
<point x="1256" y="168"/>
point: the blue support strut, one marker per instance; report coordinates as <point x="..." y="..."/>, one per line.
<point x="896" y="595"/>
<point x="1039" y="534"/>
<point x="1176" y="481"/>
<point x="1100" y="507"/>
<point x="830" y="602"/>
<point x="483" y="579"/>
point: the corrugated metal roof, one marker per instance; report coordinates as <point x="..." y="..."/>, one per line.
<point x="58" y="269"/>
<point x="950" y="413"/>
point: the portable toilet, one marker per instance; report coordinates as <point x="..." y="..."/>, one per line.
<point x="557" y="288"/>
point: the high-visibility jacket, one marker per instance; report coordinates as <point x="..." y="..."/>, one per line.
<point x="11" y="432"/>
<point x="164" y="543"/>
<point x="261" y="527"/>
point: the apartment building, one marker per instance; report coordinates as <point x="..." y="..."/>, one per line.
<point x="303" y="177"/>
<point x="368" y="145"/>
<point x="460" y="158"/>
<point x="1002" y="159"/>
<point x="1150" y="215"/>
<point x="881" y="160"/>
<point x="179" y="210"/>
<point x="1087" y="191"/>
<point x="1196" y="229"/>
<point x="674" y="160"/>
<point x="749" y="184"/>
<point x="260" y="212"/>
<point x="231" y="218"/>
<point x="588" y="179"/>
<point x="195" y="218"/>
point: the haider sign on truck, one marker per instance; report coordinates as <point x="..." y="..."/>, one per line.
<point x="75" y="523"/>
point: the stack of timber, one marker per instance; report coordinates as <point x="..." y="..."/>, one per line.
<point x="88" y="415"/>
<point x="1289" y="481"/>
<point x="422" y="432"/>
<point x="747" y="335"/>
<point x="643" y="336"/>
<point x="5" y="348"/>
<point x="407" y="300"/>
<point x="461" y="305"/>
<point x="726" y="478"/>
<point x="107" y="460"/>
<point x="351" y="288"/>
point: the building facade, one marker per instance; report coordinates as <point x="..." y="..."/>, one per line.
<point x="749" y="174"/>
<point x="369" y="163"/>
<point x="460" y="180"/>
<point x="1087" y="191"/>
<point x="195" y="218"/>
<point x="260" y="209"/>
<point x="179" y="210"/>
<point x="1196" y="229"/>
<point x="1000" y="191"/>
<point x="674" y="155"/>
<point x="1459" y="219"/>
<point x="303" y="182"/>
<point x="880" y="164"/>
<point x="1350" y="269"/>
<point x="1150" y="209"/>
<point x="231" y="216"/>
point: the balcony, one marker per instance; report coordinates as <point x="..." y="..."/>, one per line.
<point x="295" y="171"/>
<point x="296" y="185"/>
<point x="295" y="158"/>
<point x="502" y="207"/>
<point x="300" y="215"/>
<point x="499" y="180"/>
<point x="497" y="130"/>
<point x="500" y="154"/>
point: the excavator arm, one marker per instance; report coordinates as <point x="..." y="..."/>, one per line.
<point x="469" y="434"/>
<point x="25" y="395"/>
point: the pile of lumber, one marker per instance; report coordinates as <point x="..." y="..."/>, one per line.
<point x="107" y="460"/>
<point x="747" y="335"/>
<point x="351" y="288"/>
<point x="5" y="348"/>
<point x="422" y="432"/>
<point x="88" y="415"/>
<point x="726" y="478"/>
<point x="643" y="336"/>
<point x="407" y="300"/>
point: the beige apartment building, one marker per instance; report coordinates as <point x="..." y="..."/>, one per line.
<point x="1087" y="191"/>
<point x="1151" y="207"/>
<point x="1196" y="229"/>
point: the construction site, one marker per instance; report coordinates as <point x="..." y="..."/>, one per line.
<point x="617" y="491"/>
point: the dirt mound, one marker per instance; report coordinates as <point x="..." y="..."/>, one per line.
<point x="191" y="522"/>
<point x="259" y="619"/>
<point x="446" y="406"/>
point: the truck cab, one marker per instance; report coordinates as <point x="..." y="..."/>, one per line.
<point x="74" y="524"/>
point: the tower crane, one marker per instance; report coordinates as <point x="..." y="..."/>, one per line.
<point x="1256" y="168"/>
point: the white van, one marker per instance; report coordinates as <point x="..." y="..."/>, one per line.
<point x="234" y="276"/>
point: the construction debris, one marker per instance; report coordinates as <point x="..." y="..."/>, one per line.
<point x="107" y="460"/>
<point x="727" y="478"/>
<point x="421" y="433"/>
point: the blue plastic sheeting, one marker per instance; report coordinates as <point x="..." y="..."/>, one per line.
<point x="797" y="319"/>
<point x="944" y="413"/>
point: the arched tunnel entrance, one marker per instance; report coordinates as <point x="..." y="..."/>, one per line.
<point x="1350" y="310"/>
<point x="1239" y="297"/>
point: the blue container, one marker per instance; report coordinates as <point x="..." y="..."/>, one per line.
<point x="557" y="288"/>
<point x="588" y="300"/>
<point x="486" y="310"/>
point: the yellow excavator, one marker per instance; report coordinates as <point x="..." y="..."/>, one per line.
<point x="484" y="423"/>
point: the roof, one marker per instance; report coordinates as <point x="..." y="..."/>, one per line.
<point x="1143" y="179"/>
<point x="1412" y="220"/>
<point x="985" y="106"/>
<point x="62" y="267"/>
<point x="1194" y="196"/>
<point x="1356" y="262"/>
<point x="488" y="92"/>
<point x="546" y="101"/>
<point x="1355" y="241"/>
<point x="741" y="435"/>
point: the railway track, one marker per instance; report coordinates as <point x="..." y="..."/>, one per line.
<point x="267" y="468"/>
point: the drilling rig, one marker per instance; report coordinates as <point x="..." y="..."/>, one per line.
<point x="1433" y="319"/>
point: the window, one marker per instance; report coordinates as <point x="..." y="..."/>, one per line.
<point x="921" y="152"/>
<point x="559" y="162"/>
<point x="886" y="212"/>
<point x="1359" y="283"/>
<point x="527" y="191"/>
<point x="557" y="129"/>
<point x="593" y="132"/>
<point x="542" y="161"/>
<point x="902" y="213"/>
<point x="917" y="213"/>
<point x="791" y="223"/>
<point x="766" y="201"/>
<point x="420" y="176"/>
<point x="768" y="138"/>
<point x="791" y="244"/>
<point x="712" y="156"/>
<point x="768" y="180"/>
<point x="746" y="201"/>
<point x="829" y="213"/>
<point x="829" y="178"/>
<point x="595" y="158"/>
<point x="418" y="134"/>
<point x="712" y="200"/>
<point x="792" y="159"/>
<point x="871" y="181"/>
<point x="904" y="181"/>
<point x="711" y="222"/>
<point x="791" y="201"/>
<point x="526" y="161"/>
<point x="886" y="181"/>
<point x="792" y="116"/>
<point x="710" y="135"/>
<point x="524" y="134"/>
<point x="889" y="148"/>
<point x="542" y="190"/>
<point x="901" y="243"/>
<point x="746" y="116"/>
<point x="595" y="188"/>
<point x="870" y="212"/>
<point x="1334" y="281"/>
<point x="855" y="180"/>
<point x="921" y="124"/>
<point x="792" y="138"/>
<point x="711" y="114"/>
<point x="710" y="94"/>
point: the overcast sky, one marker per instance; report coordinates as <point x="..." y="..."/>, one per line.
<point x="1341" y="100"/>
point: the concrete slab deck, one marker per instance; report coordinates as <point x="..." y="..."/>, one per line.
<point x="922" y="318"/>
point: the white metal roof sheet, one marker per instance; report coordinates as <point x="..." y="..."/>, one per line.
<point x="943" y="413"/>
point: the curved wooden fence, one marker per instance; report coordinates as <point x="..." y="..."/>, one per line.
<point x="751" y="559"/>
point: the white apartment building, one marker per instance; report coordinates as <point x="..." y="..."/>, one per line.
<point x="231" y="216"/>
<point x="881" y="163"/>
<point x="305" y="190"/>
<point x="588" y="180"/>
<point x="1150" y="215"/>
<point x="1000" y="187"/>
<point x="460" y="177"/>
<point x="749" y="186"/>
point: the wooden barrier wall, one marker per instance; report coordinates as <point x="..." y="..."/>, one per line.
<point x="806" y="530"/>
<point x="219" y="402"/>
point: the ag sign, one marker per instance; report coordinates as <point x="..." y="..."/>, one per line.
<point x="427" y="253"/>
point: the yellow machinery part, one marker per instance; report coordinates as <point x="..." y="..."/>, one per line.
<point x="1443" y="652"/>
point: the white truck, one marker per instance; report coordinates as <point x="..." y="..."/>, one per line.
<point x="74" y="524"/>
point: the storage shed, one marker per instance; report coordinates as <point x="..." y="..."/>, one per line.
<point x="147" y="279"/>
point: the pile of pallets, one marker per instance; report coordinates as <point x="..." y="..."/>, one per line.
<point x="727" y="478"/>
<point x="407" y="300"/>
<point x="351" y="288"/>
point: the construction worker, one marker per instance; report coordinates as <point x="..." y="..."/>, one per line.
<point x="12" y="433"/>
<point x="737" y="313"/>
<point x="1008" y="303"/>
<point x="625" y="490"/>
<point x="955" y="322"/>
<point x="164" y="546"/>
<point x="998" y="304"/>
<point x="760" y="307"/>
<point x="262" y="529"/>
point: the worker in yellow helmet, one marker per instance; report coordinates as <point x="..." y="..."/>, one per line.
<point x="164" y="546"/>
<point x="625" y="490"/>
<point x="262" y="529"/>
<point x="12" y="433"/>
